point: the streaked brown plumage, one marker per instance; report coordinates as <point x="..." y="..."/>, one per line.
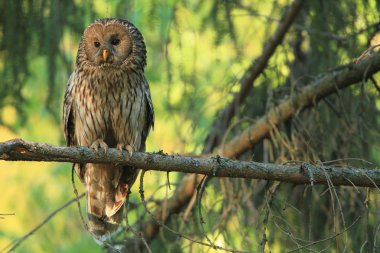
<point x="108" y="104"/>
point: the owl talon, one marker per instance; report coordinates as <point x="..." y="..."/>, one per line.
<point x="99" y="143"/>
<point x="119" y="147"/>
<point x="127" y="147"/>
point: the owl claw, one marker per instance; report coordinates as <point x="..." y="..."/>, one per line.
<point x="127" y="147"/>
<point x="99" y="143"/>
<point x="120" y="148"/>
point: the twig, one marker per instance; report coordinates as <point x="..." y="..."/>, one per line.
<point x="200" y="191"/>
<point x="78" y="202"/>
<point x="140" y="235"/>
<point x="326" y="239"/>
<point x="375" y="83"/>
<point x="287" y="230"/>
<point x="170" y="229"/>
<point x="268" y="204"/>
<point x="6" y="214"/>
<point x="187" y="211"/>
<point x="348" y="159"/>
<point x="369" y="178"/>
<point x="353" y="185"/>
<point x="12" y="246"/>
<point x="168" y="179"/>
<point x="375" y="238"/>
<point x="332" y="194"/>
<point x="363" y="245"/>
<point x="368" y="52"/>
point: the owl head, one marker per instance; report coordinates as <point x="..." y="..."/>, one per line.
<point x="113" y="43"/>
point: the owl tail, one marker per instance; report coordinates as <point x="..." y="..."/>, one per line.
<point x="107" y="189"/>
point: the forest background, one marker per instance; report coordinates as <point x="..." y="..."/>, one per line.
<point x="198" y="53"/>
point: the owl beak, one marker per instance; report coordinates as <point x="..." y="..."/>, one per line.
<point x="105" y="54"/>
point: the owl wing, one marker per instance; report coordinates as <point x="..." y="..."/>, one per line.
<point x="150" y="110"/>
<point x="149" y="115"/>
<point x="68" y="115"/>
<point x="69" y="123"/>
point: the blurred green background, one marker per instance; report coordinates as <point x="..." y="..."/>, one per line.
<point x="197" y="51"/>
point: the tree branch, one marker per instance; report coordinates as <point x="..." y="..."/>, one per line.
<point x="324" y="86"/>
<point x="251" y="74"/>
<point x="19" y="150"/>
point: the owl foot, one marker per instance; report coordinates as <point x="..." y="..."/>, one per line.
<point x="127" y="147"/>
<point x="99" y="143"/>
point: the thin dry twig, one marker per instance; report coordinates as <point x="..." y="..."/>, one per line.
<point x="375" y="237"/>
<point x="187" y="211"/>
<point x="5" y="214"/>
<point x="287" y="231"/>
<point x="353" y="185"/>
<point x="200" y="191"/>
<point x="78" y="202"/>
<point x="347" y="159"/>
<point x="373" y="80"/>
<point x="334" y="193"/>
<point x="268" y="203"/>
<point x="142" y="196"/>
<point x="367" y="53"/>
<point x="370" y="179"/>
<point x="129" y="227"/>
<point x="326" y="239"/>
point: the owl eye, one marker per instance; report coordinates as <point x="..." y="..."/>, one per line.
<point x="115" y="42"/>
<point x="97" y="44"/>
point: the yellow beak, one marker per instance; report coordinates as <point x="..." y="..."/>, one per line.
<point x="105" y="54"/>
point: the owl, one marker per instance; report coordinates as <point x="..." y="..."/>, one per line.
<point x="108" y="104"/>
